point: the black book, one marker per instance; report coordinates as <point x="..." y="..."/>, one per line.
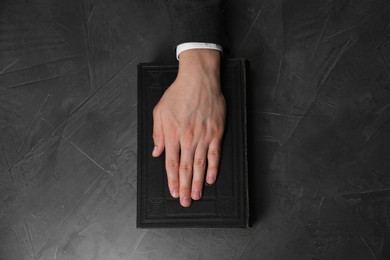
<point x="224" y="204"/>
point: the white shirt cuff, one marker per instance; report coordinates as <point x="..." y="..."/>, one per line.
<point x="196" y="45"/>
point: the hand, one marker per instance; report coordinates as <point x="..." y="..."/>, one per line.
<point x="188" y="122"/>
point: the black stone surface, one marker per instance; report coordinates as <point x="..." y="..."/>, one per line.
<point x="319" y="114"/>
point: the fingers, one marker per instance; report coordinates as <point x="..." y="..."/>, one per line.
<point x="158" y="134"/>
<point x="199" y="169"/>
<point x="213" y="158"/>
<point x="186" y="167"/>
<point x="188" y="153"/>
<point x="172" y="151"/>
<point x="185" y="175"/>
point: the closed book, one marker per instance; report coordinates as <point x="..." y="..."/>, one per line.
<point x="224" y="204"/>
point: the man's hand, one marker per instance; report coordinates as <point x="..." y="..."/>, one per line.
<point x="189" y="121"/>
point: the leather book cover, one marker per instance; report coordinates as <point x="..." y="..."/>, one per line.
<point x="224" y="204"/>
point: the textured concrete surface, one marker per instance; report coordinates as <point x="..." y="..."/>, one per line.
<point x="319" y="113"/>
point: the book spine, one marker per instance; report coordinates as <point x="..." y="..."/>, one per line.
<point x="244" y="71"/>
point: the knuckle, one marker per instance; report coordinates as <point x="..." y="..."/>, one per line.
<point x="199" y="163"/>
<point x="156" y="135"/>
<point x="186" y="167"/>
<point x="172" y="136"/>
<point x="214" y="153"/>
<point x="220" y="131"/>
<point x="188" y="141"/>
<point x="190" y="134"/>
<point x="217" y="129"/>
<point x="172" y="164"/>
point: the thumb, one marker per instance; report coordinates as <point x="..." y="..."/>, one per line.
<point x="158" y="134"/>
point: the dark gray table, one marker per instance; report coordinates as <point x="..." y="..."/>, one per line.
<point x="319" y="113"/>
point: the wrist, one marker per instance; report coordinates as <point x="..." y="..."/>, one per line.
<point x="199" y="62"/>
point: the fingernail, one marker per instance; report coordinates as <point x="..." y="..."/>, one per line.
<point x="210" y="180"/>
<point x="186" y="201"/>
<point x="175" y="194"/>
<point x="196" y="195"/>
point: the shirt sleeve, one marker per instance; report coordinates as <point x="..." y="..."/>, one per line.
<point x="196" y="45"/>
<point x="196" y="21"/>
